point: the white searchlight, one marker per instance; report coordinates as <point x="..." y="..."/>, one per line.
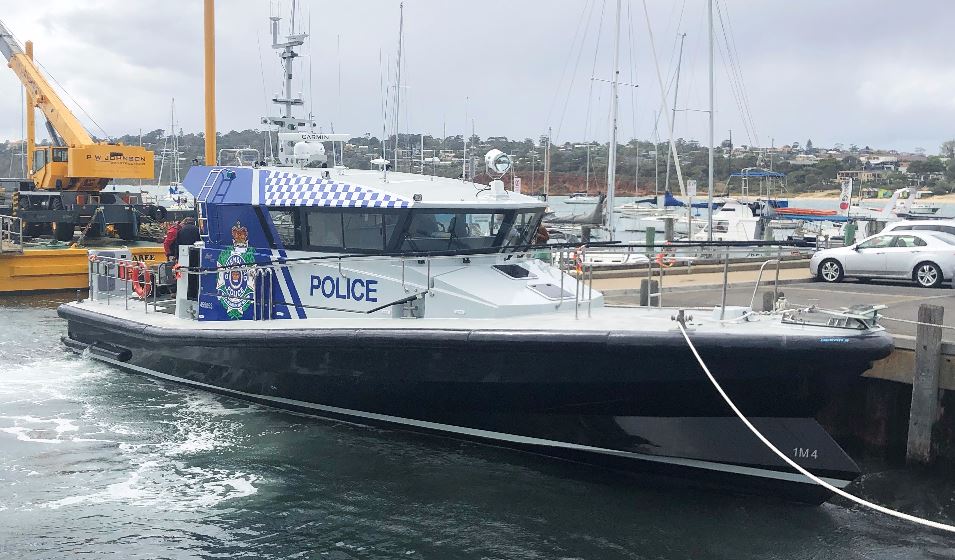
<point x="498" y="164"/>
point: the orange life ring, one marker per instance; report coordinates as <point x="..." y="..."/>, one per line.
<point x="578" y="256"/>
<point x="141" y="278"/>
<point x="123" y="269"/>
<point x="665" y="258"/>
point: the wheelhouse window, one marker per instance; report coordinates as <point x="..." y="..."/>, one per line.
<point x="442" y="231"/>
<point x="350" y="230"/>
<point x="445" y="230"/>
<point x="359" y="230"/>
<point x="368" y="231"/>
<point x="523" y="229"/>
<point x="286" y="226"/>
<point x="325" y="229"/>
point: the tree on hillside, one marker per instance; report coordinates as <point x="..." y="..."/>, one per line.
<point x="809" y="149"/>
<point x="931" y="165"/>
<point x="947" y="149"/>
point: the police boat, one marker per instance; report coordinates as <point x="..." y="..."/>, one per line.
<point x="420" y="302"/>
<point x="414" y="301"/>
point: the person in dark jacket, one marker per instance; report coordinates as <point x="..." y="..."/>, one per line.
<point x="187" y="235"/>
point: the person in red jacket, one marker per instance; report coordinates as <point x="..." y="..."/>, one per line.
<point x="170" y="247"/>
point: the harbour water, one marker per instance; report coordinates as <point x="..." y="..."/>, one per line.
<point x="98" y="462"/>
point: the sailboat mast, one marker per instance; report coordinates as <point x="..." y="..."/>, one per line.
<point x="709" y="189"/>
<point x="176" y="165"/>
<point x="676" y="92"/>
<point x="656" y="158"/>
<point x="612" y="160"/>
<point x="547" y="166"/>
<point x="401" y="28"/>
<point x="587" y="180"/>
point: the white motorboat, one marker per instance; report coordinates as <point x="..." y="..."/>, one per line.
<point x="417" y="302"/>
<point x="581" y="198"/>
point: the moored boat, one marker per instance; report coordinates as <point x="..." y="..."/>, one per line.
<point x="418" y="302"/>
<point x="323" y="292"/>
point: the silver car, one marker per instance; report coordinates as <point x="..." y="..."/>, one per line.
<point x="924" y="257"/>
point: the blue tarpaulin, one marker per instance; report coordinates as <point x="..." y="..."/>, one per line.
<point x="670" y="200"/>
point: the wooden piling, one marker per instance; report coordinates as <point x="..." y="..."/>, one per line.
<point x="668" y="229"/>
<point x="924" y="411"/>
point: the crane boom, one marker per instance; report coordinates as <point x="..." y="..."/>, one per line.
<point x="84" y="163"/>
<point x="46" y="98"/>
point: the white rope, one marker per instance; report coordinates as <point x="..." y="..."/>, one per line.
<point x="793" y="464"/>
<point x="909" y="321"/>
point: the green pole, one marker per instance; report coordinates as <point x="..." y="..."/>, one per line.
<point x="651" y="239"/>
<point x="850" y="233"/>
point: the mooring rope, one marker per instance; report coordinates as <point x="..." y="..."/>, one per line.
<point x="911" y="322"/>
<point x="793" y="464"/>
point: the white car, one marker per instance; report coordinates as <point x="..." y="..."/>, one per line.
<point x="925" y="257"/>
<point x="946" y="226"/>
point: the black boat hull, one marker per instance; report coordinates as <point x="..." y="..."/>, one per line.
<point x="624" y="402"/>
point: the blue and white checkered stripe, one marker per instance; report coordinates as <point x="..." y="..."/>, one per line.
<point x="290" y="189"/>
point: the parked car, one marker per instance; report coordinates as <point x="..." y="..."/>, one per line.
<point x="945" y="226"/>
<point x="924" y="257"/>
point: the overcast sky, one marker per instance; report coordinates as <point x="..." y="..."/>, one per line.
<point x="872" y="73"/>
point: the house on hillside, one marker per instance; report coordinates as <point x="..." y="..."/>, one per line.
<point x="861" y="176"/>
<point x="880" y="161"/>
<point x="804" y="159"/>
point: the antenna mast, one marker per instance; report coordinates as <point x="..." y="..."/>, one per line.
<point x="286" y="99"/>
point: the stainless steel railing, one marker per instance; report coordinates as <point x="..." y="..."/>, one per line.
<point x="127" y="280"/>
<point x="11" y="234"/>
<point x="112" y="279"/>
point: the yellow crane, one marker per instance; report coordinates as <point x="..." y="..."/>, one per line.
<point x="76" y="161"/>
<point x="69" y="175"/>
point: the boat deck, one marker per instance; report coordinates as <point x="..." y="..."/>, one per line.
<point x="603" y="321"/>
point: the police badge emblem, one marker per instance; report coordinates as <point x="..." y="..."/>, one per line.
<point x="233" y="287"/>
